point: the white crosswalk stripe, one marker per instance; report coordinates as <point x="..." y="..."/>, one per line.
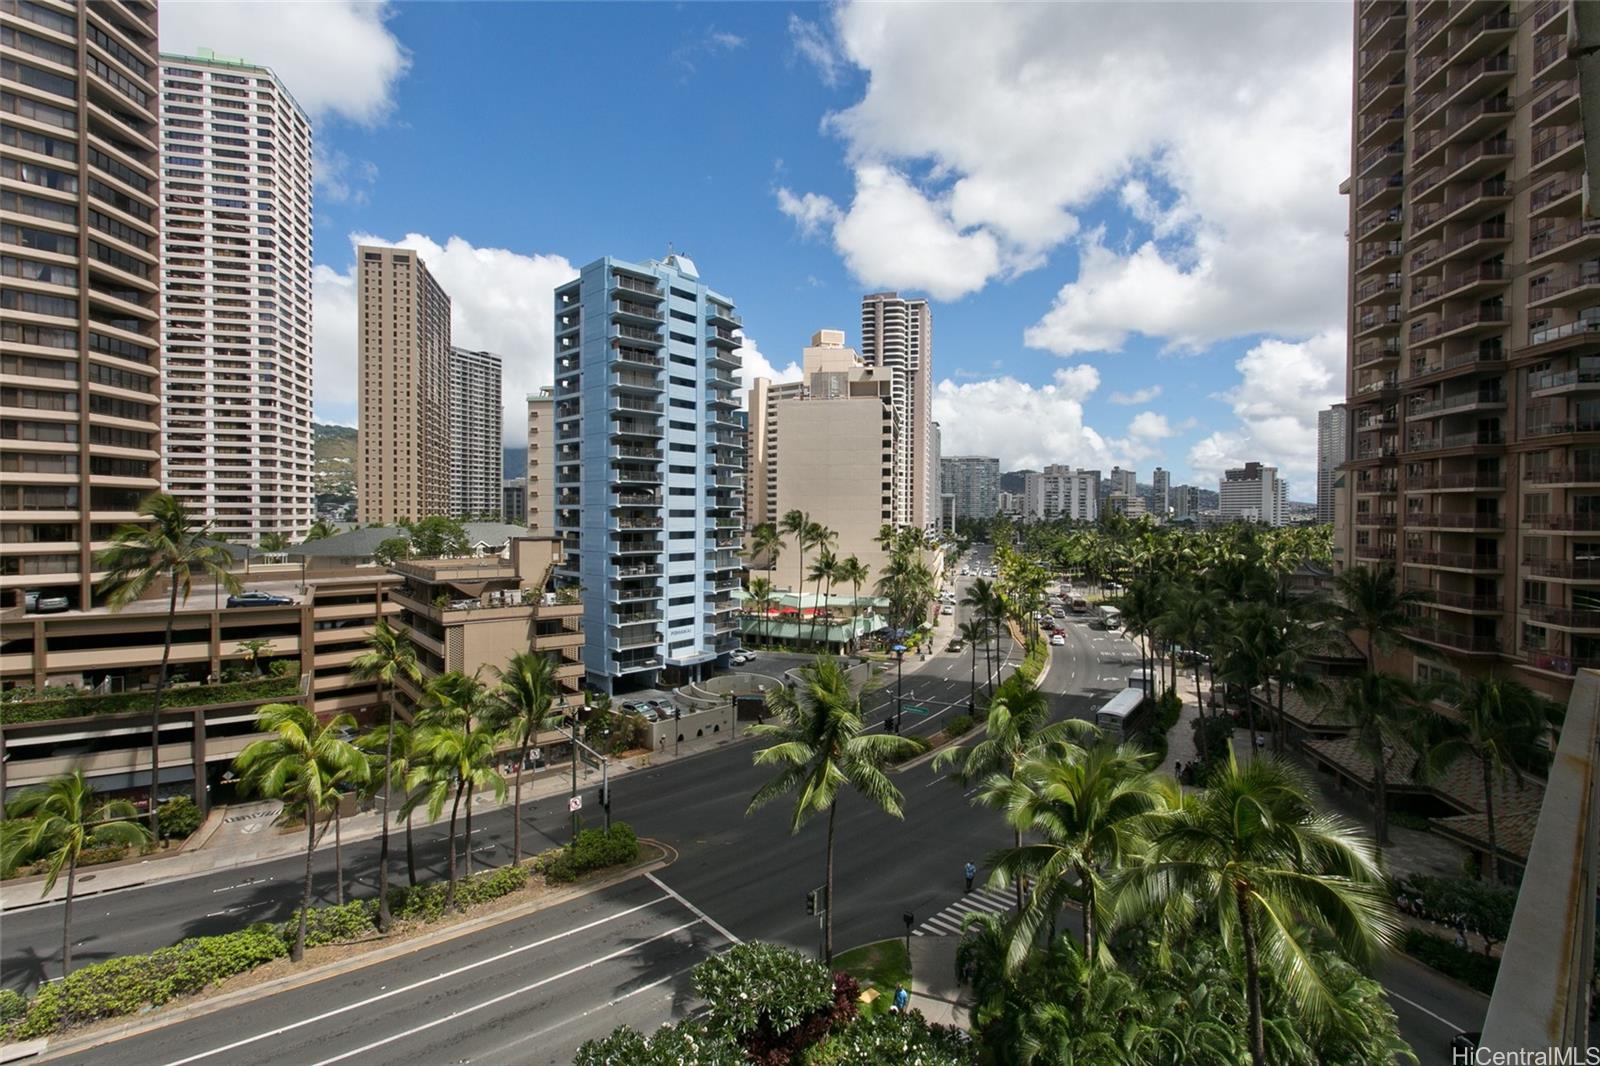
<point x="948" y="922"/>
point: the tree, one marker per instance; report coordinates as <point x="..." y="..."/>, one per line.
<point x="273" y="543"/>
<point x="824" y="569"/>
<point x="528" y="689"/>
<point x="303" y="762"/>
<point x="391" y="550"/>
<point x="820" y="745"/>
<point x="1370" y="599"/>
<point x="798" y="524"/>
<point x="856" y="572"/>
<point x="56" y="820"/>
<point x="321" y="529"/>
<point x="390" y="658"/>
<point x="1506" y="726"/>
<point x="1252" y="855"/>
<point x="170" y="546"/>
<point x="439" y="537"/>
<point x="766" y="542"/>
<point x="761" y="595"/>
<point x="252" y="650"/>
<point x="1189" y="619"/>
<point x="973" y="632"/>
<point x="1385" y="713"/>
<point x="983" y="601"/>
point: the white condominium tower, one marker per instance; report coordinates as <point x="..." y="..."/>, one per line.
<point x="236" y="284"/>
<point x="476" y="446"/>
<point x="897" y="334"/>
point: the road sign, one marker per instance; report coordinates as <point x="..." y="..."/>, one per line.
<point x="575" y="804"/>
<point x="917" y="710"/>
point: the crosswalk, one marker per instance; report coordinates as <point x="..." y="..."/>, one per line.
<point x="981" y="900"/>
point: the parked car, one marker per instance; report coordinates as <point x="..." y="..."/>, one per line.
<point x="1058" y="639"/>
<point x="51" y="604"/>
<point x="258" y="599"/>
<point x="947" y="609"/>
<point x="740" y="657"/>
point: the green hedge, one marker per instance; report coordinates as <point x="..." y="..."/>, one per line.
<point x="1472" y="969"/>
<point x="960" y="725"/>
<point x="1033" y="662"/>
<point x="177" y="817"/>
<point x="44" y="705"/>
<point x="595" y="849"/>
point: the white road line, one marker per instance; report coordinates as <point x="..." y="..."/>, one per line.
<point x="502" y="997"/>
<point x="325" y="1015"/>
<point x="547" y="1030"/>
<point x="942" y="924"/>
<point x="1413" y="1003"/>
<point x="704" y="917"/>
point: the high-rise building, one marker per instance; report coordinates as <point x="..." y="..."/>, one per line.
<point x="1253" y="493"/>
<point x="236" y="297"/>
<point x="761" y="485"/>
<point x="1185" y="501"/>
<point x="649" y="467"/>
<point x="1331" y="450"/>
<point x="514" y="500"/>
<point x="542" y="461"/>
<point x="1472" y="385"/>
<point x="1161" y="490"/>
<point x="897" y="334"/>
<point x="477" y="446"/>
<point x="1061" y="492"/>
<point x="974" y="480"/>
<point x="1123" y="481"/>
<point x="80" y="307"/>
<point x="403" y="364"/>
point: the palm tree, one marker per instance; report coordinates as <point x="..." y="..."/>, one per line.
<point x="273" y="543"/>
<point x="57" y="819"/>
<point x="321" y="529"/>
<point x="798" y="524"/>
<point x="973" y="633"/>
<point x="303" y="762"/>
<point x="1189" y="619"/>
<point x="522" y="703"/>
<point x="766" y="542"/>
<point x="1251" y="853"/>
<point x="982" y="599"/>
<point x="252" y="650"/>
<point x="853" y="570"/>
<point x="1385" y="713"/>
<point x="1371" y="600"/>
<point x="390" y="747"/>
<point x="761" y="593"/>
<point x="820" y="744"/>
<point x="824" y="569"/>
<point x="389" y="659"/>
<point x="1505" y="725"/>
<point x="170" y="546"/>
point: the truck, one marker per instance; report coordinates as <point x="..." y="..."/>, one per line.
<point x="1110" y="617"/>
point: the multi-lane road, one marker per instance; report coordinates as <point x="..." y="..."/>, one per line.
<point x="532" y="989"/>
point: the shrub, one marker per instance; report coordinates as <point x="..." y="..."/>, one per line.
<point x="329" y="925"/>
<point x="761" y="988"/>
<point x="1485" y="907"/>
<point x="426" y="901"/>
<point x="1408" y="820"/>
<point x="594" y="849"/>
<point x="958" y="726"/>
<point x="75" y="703"/>
<point x="1470" y="968"/>
<point x="178" y="817"/>
<point x="895" y="1038"/>
<point x="921" y="746"/>
<point x="12" y="1005"/>
<point x="671" y="1045"/>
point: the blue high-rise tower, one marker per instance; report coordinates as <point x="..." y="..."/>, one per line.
<point x="649" y="468"/>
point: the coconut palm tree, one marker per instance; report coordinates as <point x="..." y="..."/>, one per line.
<point x="1251" y="854"/>
<point x="521" y="710"/>
<point x="761" y="594"/>
<point x="983" y="601"/>
<point x="252" y="650"/>
<point x="1385" y="713"/>
<point x="1505" y="726"/>
<point x="1189" y="620"/>
<point x="1370" y="599"/>
<point x="390" y="658"/>
<point x="304" y="762"/>
<point x="798" y="524"/>
<point x="389" y="748"/>
<point x="823" y="571"/>
<point x="853" y="570"/>
<point x="766" y="542"/>
<point x="273" y="543"/>
<point x="820" y="744"/>
<point x="321" y="529"/>
<point x="973" y="632"/>
<point x="171" y="546"/>
<point x="56" y="820"/>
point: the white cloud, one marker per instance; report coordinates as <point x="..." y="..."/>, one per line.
<point x="1150" y="426"/>
<point x="811" y="212"/>
<point x="756" y="365"/>
<point x="1136" y="397"/>
<point x="1023" y="425"/>
<point x="341" y="180"/>
<point x="500" y="301"/>
<point x="812" y="44"/>
<point x="336" y="56"/>
<point x="725" y="41"/>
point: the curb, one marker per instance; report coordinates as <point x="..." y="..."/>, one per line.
<point x="928" y="755"/>
<point x="159" y="1018"/>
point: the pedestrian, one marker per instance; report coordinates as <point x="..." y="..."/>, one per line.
<point x="1461" y="941"/>
<point x="902" y="999"/>
<point x="1403" y="904"/>
<point x="1177" y="769"/>
<point x="971" y="871"/>
<point x="1261" y="741"/>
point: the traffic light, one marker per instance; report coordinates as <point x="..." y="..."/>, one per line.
<point x="811" y="900"/>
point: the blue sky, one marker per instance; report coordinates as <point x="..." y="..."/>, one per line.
<point x="1128" y="219"/>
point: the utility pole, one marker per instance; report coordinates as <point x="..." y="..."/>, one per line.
<point x="899" y="684"/>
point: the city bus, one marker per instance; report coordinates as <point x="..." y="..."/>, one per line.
<point x="1122" y="715"/>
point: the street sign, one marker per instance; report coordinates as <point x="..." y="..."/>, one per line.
<point x="575" y="804"/>
<point x="917" y="710"/>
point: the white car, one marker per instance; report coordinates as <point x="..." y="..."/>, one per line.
<point x="947" y="609"/>
<point x="740" y="657"/>
<point x="1058" y="640"/>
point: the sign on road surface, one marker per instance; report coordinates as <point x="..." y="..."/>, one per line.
<point x="575" y="803"/>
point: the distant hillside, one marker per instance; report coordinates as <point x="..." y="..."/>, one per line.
<point x="335" y="450"/>
<point x="1011" y="480"/>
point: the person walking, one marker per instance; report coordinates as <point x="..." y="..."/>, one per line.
<point x="972" y="872"/>
<point x="902" y="999"/>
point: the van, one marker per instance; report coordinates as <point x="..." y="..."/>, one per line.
<point x="1080" y="606"/>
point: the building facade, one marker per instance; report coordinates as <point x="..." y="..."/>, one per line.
<point x="1061" y="492"/>
<point x="1473" y="382"/>
<point x="1123" y="481"/>
<point x="974" y="481"/>
<point x="1332" y="442"/>
<point x="514" y="500"/>
<point x="648" y="467"/>
<point x="541" y="509"/>
<point x="403" y="363"/>
<point x="1161" y="492"/>
<point x="1185" y="502"/>
<point x="477" y="448"/>
<point x="236" y="205"/>
<point x="80" y="300"/>
<point x="1253" y="493"/>
<point x="897" y="334"/>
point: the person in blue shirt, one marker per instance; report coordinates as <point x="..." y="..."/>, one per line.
<point x="902" y="999"/>
<point x="971" y="871"/>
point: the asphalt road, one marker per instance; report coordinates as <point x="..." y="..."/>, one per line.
<point x="748" y="874"/>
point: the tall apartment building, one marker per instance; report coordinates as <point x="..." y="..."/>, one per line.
<point x="1473" y="385"/>
<point x="1253" y="493"/>
<point x="974" y="481"/>
<point x="897" y="334"/>
<point x="541" y="509"/>
<point x="649" y="467"/>
<point x="1161" y="491"/>
<point x="761" y="484"/>
<point x="403" y="379"/>
<point x="827" y="445"/>
<point x="1061" y="492"/>
<point x="236" y="297"/>
<point x="514" y="500"/>
<point x="477" y="447"/>
<point x="1123" y="481"/>
<point x="1185" y="501"/>
<point x="1332" y="448"/>
<point x="80" y="303"/>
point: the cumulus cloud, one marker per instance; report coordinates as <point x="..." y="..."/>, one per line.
<point x="1150" y="426"/>
<point x="1024" y="425"/>
<point x="813" y="45"/>
<point x="339" y="179"/>
<point x="500" y="301"/>
<point x="811" y="211"/>
<point x="337" y="57"/>
<point x="756" y="365"/>
<point x="1136" y="397"/>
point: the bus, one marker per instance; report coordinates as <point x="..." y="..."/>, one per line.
<point x="1122" y="715"/>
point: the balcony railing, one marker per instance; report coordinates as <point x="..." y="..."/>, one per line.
<point x="1585" y="323"/>
<point x="1456" y="560"/>
<point x="1374" y="551"/>
<point x="1484" y="437"/>
<point x="1567" y="617"/>
<point x="1470" y="479"/>
<point x="1556" y="663"/>
<point x="1550" y="193"/>
<point x="633" y="284"/>
<point x="1566" y="281"/>
<point x="1562" y="475"/>
<point x="1547" y="103"/>
<point x="1553" y="237"/>
<point x="1546" y="147"/>
<point x="1367" y="518"/>
<point x="1448" y="404"/>
<point x="1447" y="638"/>
<point x="1444" y="520"/>
<point x="1465" y="601"/>
<point x="1573" y="522"/>
<point x="1578" y="570"/>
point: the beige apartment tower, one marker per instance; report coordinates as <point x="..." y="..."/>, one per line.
<point x="403" y="470"/>
<point x="1473" y="388"/>
<point x="80" y="302"/>
<point x="897" y="335"/>
<point x="541" y="485"/>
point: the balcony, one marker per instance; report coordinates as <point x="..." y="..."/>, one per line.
<point x="1384" y="56"/>
<point x="1470" y="479"/>
<point x="1475" y="240"/>
<point x="636" y="546"/>
<point x="1577" y="570"/>
<point x="1563" y="523"/>
<point x="1371" y="127"/>
<point x="1456" y="561"/>
<point x="1550" y="57"/>
<point x="1388" y="156"/>
<point x="638" y="357"/>
<point x="1383" y="453"/>
<point x="1380" y="192"/>
<point x="1555" y="663"/>
<point x="1376" y="255"/>
<point x="1460" y="363"/>
<point x="634" y="380"/>
<point x="1376" y="486"/>
<point x="1579" y="236"/>
<point x="1559" y="196"/>
<point x="1566" y="288"/>
<point x="1479" y="79"/>
<point x="625" y="664"/>
<point x="1459" y="325"/>
<point x="1460" y="642"/>
<point x="1374" y="320"/>
<point x="1563" y="475"/>
<point x="1379" y="289"/>
<point x="724" y="338"/>
<point x="639" y="286"/>
<point x="1564" y="617"/>
<point x="1559" y="104"/>
<point x="635" y="499"/>
<point x="1472" y="401"/>
<point x="1446" y="520"/>
<point x="635" y="570"/>
<point x="1570" y="334"/>
<point x="1382" y="520"/>
<point x="1493" y="193"/>
<point x="715" y="312"/>
<point x="1483" y="438"/>
<point x="628" y="311"/>
<point x="1458" y="601"/>
<point x="1374" y="551"/>
<point x="1481" y="35"/>
<point x="1378" y="351"/>
<point x="1478" y="159"/>
<point x="629" y="475"/>
<point x="1388" y="92"/>
<point x="1560" y="147"/>
<point x="636" y="335"/>
<point x="626" y="427"/>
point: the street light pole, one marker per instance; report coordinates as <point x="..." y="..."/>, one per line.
<point x="899" y="685"/>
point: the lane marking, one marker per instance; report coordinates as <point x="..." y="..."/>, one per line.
<point x="502" y="997"/>
<point x="1413" y="1003"/>
<point x="547" y="1030"/>
<point x="704" y="917"/>
<point x="325" y="1015"/>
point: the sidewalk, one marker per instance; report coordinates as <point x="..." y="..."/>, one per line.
<point x="243" y="834"/>
<point x="934" y="989"/>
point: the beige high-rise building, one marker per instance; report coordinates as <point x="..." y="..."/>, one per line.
<point x="542" y="461"/>
<point x="477" y="447"/>
<point x="403" y="470"/>
<point x="80" y="302"/>
<point x="236" y="293"/>
<point x="827" y="445"/>
<point x="897" y="335"/>
<point x="1473" y="384"/>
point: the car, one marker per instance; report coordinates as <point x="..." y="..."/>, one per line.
<point x="51" y="604"/>
<point x="258" y="599"/>
<point x="740" y="657"/>
<point x="956" y="645"/>
<point x="947" y="610"/>
<point x="1080" y="606"/>
<point x="1058" y="640"/>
